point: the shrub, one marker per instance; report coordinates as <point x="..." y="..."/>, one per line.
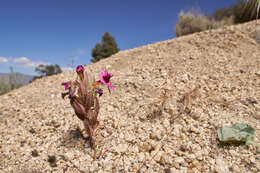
<point x="192" y="22"/>
<point x="11" y="83"/>
<point x="223" y="13"/>
<point x="48" y="70"/>
<point x="226" y="21"/>
<point x="4" y="87"/>
<point x="242" y="11"/>
<point x="245" y="11"/>
<point x="106" y="49"/>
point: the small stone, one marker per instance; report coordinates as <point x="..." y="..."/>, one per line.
<point x="52" y="160"/>
<point x="183" y="148"/>
<point x="176" y="165"/>
<point x="129" y="138"/>
<point x="195" y="130"/>
<point x="22" y="143"/>
<point x="258" y="149"/>
<point x="177" y="130"/>
<point x="241" y="71"/>
<point x="35" y="153"/>
<point x="166" y="123"/>
<point x="166" y="159"/>
<point x="21" y="118"/>
<point x="122" y="148"/>
<point x="174" y="170"/>
<point x="196" y="164"/>
<point x="69" y="155"/>
<point x="141" y="157"/>
<point x="32" y="131"/>
<point x="147" y="147"/>
<point x="257" y="115"/>
<point x="235" y="168"/>
<point x="179" y="160"/>
<point x="158" y="156"/>
<point x="195" y="116"/>
<point x="199" y="155"/>
<point x="221" y="166"/>
<point x="92" y="168"/>
<point x="191" y="156"/>
<point x="167" y="170"/>
<point x="233" y="152"/>
<point x="155" y="135"/>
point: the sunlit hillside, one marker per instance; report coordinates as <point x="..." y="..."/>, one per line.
<point x="169" y="100"/>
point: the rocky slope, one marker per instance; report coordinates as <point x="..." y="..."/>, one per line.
<point x="170" y="98"/>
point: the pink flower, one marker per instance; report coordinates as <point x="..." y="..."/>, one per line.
<point x="67" y="85"/>
<point x="80" y="69"/>
<point x="105" y="79"/>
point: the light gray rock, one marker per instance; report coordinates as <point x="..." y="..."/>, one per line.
<point x="221" y="166"/>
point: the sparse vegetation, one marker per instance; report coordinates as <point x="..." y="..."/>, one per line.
<point x="192" y="22"/>
<point x="195" y="21"/>
<point x="245" y="11"/>
<point x="222" y="13"/>
<point x="12" y="83"/>
<point x="4" y="87"/>
<point x="46" y="70"/>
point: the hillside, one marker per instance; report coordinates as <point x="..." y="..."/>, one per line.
<point x="208" y="80"/>
<point x="20" y="78"/>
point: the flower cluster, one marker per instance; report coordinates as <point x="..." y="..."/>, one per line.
<point x="83" y="99"/>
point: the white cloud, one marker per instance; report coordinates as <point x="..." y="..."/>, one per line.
<point x="3" y="59"/>
<point x="26" y="62"/>
<point x="21" y="60"/>
<point x="66" y="68"/>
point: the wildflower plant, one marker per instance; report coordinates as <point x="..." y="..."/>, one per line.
<point x="83" y="95"/>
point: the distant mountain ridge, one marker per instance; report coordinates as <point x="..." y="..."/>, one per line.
<point x="20" y="78"/>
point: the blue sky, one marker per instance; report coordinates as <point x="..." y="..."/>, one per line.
<point x="56" y="31"/>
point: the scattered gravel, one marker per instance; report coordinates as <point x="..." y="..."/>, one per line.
<point x="169" y="100"/>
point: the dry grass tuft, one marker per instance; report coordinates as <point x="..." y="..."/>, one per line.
<point x="190" y="97"/>
<point x="158" y="106"/>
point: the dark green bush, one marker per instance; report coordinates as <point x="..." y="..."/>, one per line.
<point x="106" y="49"/>
<point x="48" y="70"/>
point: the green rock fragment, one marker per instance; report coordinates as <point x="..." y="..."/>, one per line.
<point x="238" y="133"/>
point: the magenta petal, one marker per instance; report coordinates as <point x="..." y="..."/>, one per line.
<point x="112" y="87"/>
<point x="67" y="85"/>
<point x="80" y="69"/>
<point x="105" y="77"/>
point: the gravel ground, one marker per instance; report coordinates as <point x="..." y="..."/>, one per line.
<point x="169" y="100"/>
